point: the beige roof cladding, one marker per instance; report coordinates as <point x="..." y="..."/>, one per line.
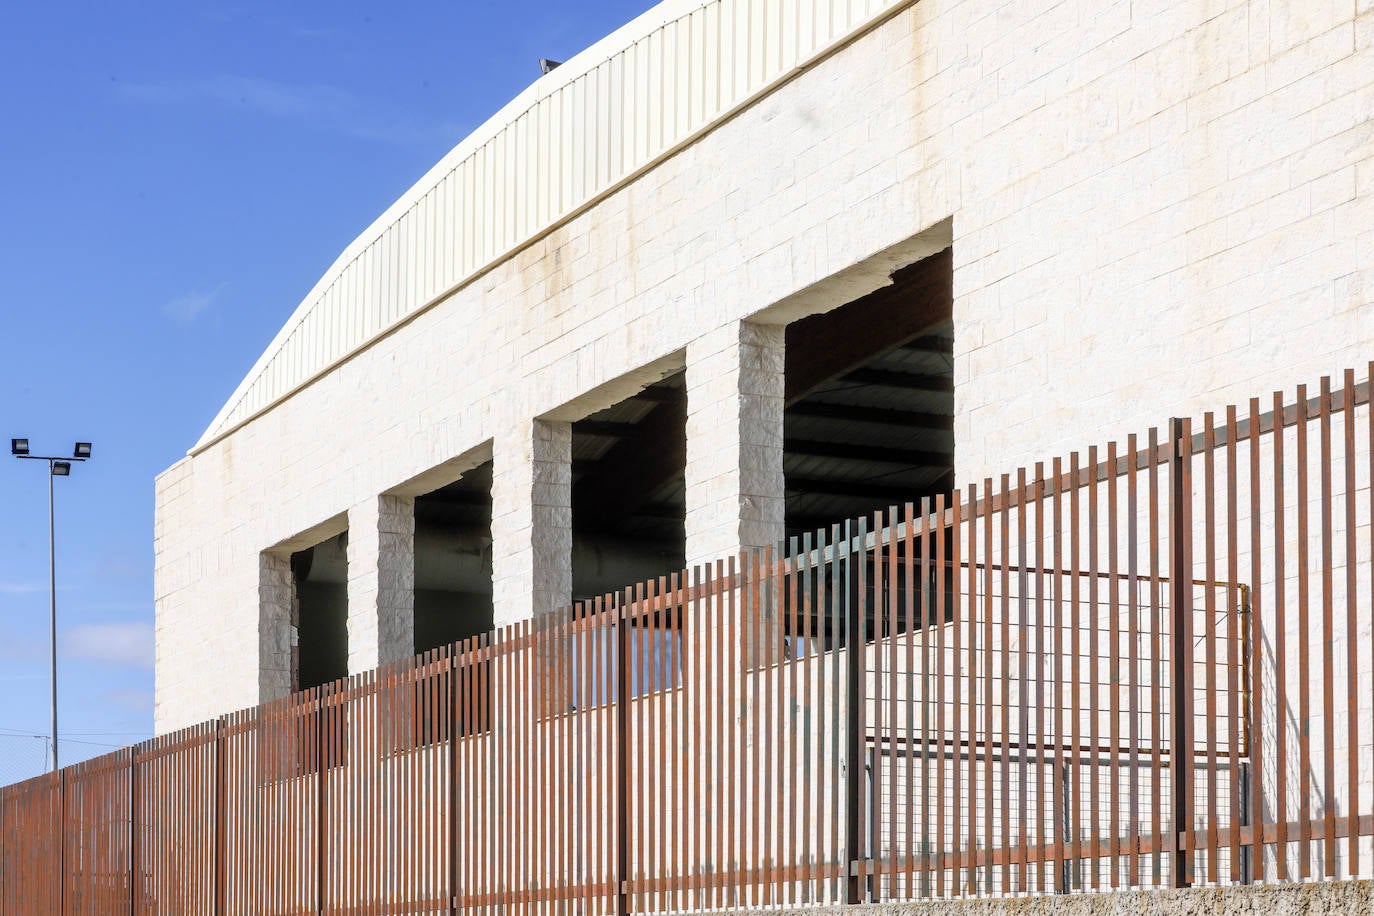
<point x="574" y="135"/>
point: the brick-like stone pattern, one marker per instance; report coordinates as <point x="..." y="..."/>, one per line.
<point x="381" y="582"/>
<point x="276" y="626"/>
<point x="734" y="473"/>
<point x="1158" y="207"/>
<point x="531" y="525"/>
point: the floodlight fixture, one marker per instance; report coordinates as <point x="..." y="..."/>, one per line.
<point x="57" y="467"/>
<point x="547" y="66"/>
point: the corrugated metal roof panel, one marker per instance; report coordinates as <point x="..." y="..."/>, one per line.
<point x="572" y="136"/>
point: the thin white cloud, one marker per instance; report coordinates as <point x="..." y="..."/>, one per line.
<point x="186" y="309"/>
<point x="132" y="699"/>
<point x="128" y="643"/>
<point x="20" y="588"/>
<point x="20" y="647"/>
<point x="316" y="105"/>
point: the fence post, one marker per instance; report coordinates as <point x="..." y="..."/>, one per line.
<point x="133" y="830"/>
<point x="453" y="699"/>
<point x="321" y="812"/>
<point x="221" y="828"/>
<point x="1181" y="601"/>
<point x="622" y="757"/>
<point x="61" y="839"/>
<point x="854" y="770"/>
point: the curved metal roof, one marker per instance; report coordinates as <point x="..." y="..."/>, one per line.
<point x="572" y="137"/>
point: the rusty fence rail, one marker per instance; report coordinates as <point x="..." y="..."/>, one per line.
<point x="1146" y="665"/>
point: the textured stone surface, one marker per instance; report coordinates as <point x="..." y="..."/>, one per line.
<point x="1328" y="898"/>
<point x="276" y="632"/>
<point x="734" y="473"/>
<point x="1158" y="207"/>
<point x="531" y="525"/>
<point x="381" y="581"/>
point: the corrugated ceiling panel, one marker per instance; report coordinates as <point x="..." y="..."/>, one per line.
<point x="573" y="135"/>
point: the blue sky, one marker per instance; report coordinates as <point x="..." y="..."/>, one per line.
<point x="174" y="177"/>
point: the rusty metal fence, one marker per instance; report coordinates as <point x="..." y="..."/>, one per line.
<point x="1148" y="665"/>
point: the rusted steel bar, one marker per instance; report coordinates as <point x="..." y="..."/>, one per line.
<point x="1369" y="446"/>
<point x="1022" y="683"/>
<point x="1004" y="671"/>
<point x="810" y="721"/>
<point x="971" y="517"/>
<point x="937" y="621"/>
<point x="1181" y="604"/>
<point x="621" y="871"/>
<point x="852" y="605"/>
<point x="1256" y="683"/>
<point x="1058" y="793"/>
<point x="1075" y="790"/>
<point x="885" y="605"/>
<point x="769" y="676"/>
<point x="957" y="619"/>
<point x="1233" y="682"/>
<point x="1094" y="664"/>
<point x="1043" y="816"/>
<point x="723" y="724"/>
<point x="703" y="683"/>
<point x="1352" y="695"/>
<point x="754" y="690"/>
<point x="1113" y="669"/>
<point x="1328" y="636"/>
<point x="1209" y="541"/>
<point x="1280" y="654"/>
<point x="1133" y="663"/>
<point x="1304" y="648"/>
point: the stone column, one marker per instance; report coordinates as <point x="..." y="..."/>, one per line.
<point x="531" y="525"/>
<point x="277" y="626"/>
<point x="734" y="476"/>
<point x="381" y="582"/>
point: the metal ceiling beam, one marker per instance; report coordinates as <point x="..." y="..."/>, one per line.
<point x="856" y="452"/>
<point x="856" y="489"/>
<point x="826" y="346"/>
<point x="931" y="344"/>
<point x="907" y="419"/>
<point x="615" y="429"/>
<point x="906" y="381"/>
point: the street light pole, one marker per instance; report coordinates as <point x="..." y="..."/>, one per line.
<point x="57" y="467"/>
<point x="52" y="605"/>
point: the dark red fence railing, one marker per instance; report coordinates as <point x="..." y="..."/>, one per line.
<point x="1146" y="665"/>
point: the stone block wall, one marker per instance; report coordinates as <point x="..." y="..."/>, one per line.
<point x="1156" y="207"/>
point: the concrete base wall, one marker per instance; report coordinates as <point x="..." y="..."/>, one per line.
<point x="1329" y="898"/>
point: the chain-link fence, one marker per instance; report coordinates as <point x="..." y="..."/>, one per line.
<point x="23" y="757"/>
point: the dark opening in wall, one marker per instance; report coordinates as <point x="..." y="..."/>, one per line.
<point x="628" y="493"/>
<point x="320" y="620"/>
<point x="869" y="424"/>
<point x="453" y="592"/>
<point x="869" y="416"/>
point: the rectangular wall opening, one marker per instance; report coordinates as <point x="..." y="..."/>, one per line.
<point x="628" y="493"/>
<point x="320" y="613"/>
<point x="453" y="590"/>
<point x="868" y="421"/>
<point x="869" y="415"/>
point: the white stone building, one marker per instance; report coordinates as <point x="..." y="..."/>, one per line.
<point x="747" y="266"/>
